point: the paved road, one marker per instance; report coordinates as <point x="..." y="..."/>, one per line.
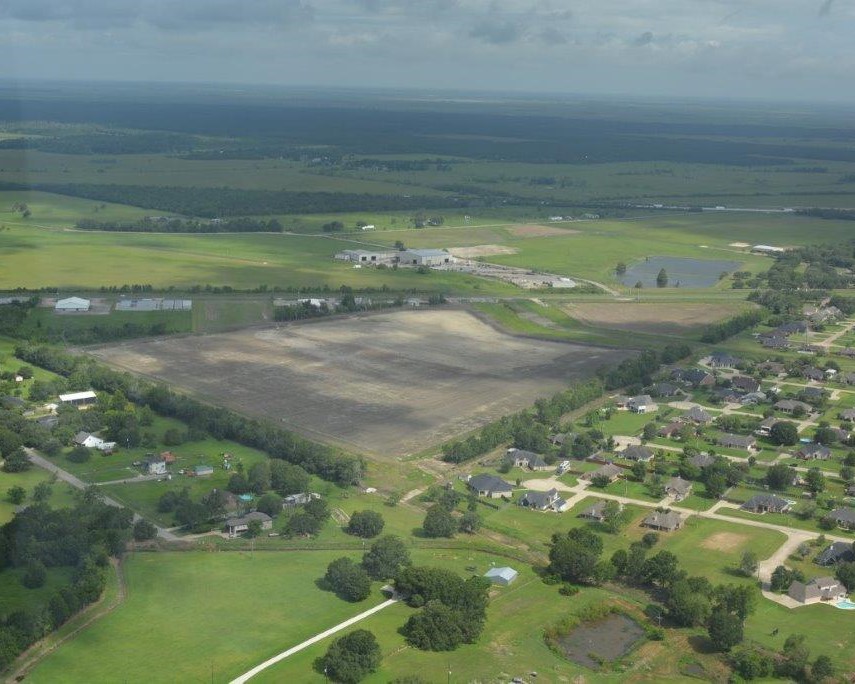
<point x="75" y="481"/>
<point x="309" y="642"/>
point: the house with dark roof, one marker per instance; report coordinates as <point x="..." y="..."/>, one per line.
<point x="766" y="503"/>
<point x="745" y="383"/>
<point x="671" y="430"/>
<point x="726" y="395"/>
<point x="596" y="512"/>
<point x="813" y="451"/>
<point x="702" y="460"/>
<point x="847" y="378"/>
<point x="764" y="429"/>
<point x="723" y="360"/>
<point x="527" y="459"/>
<point x="817" y="590"/>
<point x="775" y="342"/>
<point x="664" y="389"/>
<point x="637" y="453"/>
<point x="843" y="517"/>
<point x="697" y="377"/>
<point x="836" y="552"/>
<point x="730" y="441"/>
<point x="237" y="526"/>
<point x="678" y="488"/>
<point x="698" y="415"/>
<point x="609" y="470"/>
<point x="772" y="367"/>
<point x="790" y="405"/>
<point x="489" y="485"/>
<point x="847" y="414"/>
<point x="752" y="398"/>
<point x="543" y="501"/>
<point x="812" y="394"/>
<point x="663" y="521"/>
<point x="850" y="490"/>
<point x="812" y="373"/>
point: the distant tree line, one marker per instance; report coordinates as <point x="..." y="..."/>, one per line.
<point x="179" y="225"/>
<point x="831" y="214"/>
<point x="218" y="422"/>
<point x="217" y="202"/>
<point x="113" y="142"/>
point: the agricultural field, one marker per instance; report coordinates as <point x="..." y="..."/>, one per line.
<point x="386" y="384"/>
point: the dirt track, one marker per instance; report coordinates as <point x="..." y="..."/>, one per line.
<point x="387" y="384"/>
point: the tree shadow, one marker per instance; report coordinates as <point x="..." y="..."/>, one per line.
<point x="701" y="644"/>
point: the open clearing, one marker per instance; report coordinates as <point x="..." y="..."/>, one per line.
<point x="662" y="318"/>
<point x="540" y="231"/>
<point x="481" y="250"/>
<point x="391" y="383"/>
<point x="724" y="541"/>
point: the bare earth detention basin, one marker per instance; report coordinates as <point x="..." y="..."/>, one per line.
<point x="387" y="384"/>
<point x="604" y="641"/>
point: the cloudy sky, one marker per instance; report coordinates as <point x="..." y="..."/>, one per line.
<point x="779" y="49"/>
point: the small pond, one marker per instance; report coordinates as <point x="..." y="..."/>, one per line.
<point x="606" y="640"/>
<point x="683" y="271"/>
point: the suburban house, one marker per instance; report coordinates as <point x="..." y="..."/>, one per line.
<point x="527" y="459"/>
<point x="850" y="490"/>
<point x="847" y="378"/>
<point x="236" y="526"/>
<point x="744" y="383"/>
<point x="752" y="398"/>
<point x="637" y="453"/>
<point x="847" y="414"/>
<point x="503" y="576"/>
<point x="154" y="466"/>
<point x="489" y="485"/>
<point x="563" y="467"/>
<point x="766" y="503"/>
<point x="665" y="389"/>
<point x="844" y="517"/>
<point x="643" y="403"/>
<point x="813" y="451"/>
<point x="730" y="441"/>
<point x="543" y="501"/>
<point x="836" y="552"/>
<point x="817" y="590"/>
<point x="772" y="367"/>
<point x="78" y="399"/>
<point x="596" y="512"/>
<point x="774" y="342"/>
<point x="766" y="425"/>
<point x="671" y="430"/>
<point x="663" y="521"/>
<point x="720" y="360"/>
<point x="697" y="415"/>
<point x="726" y="395"/>
<point x="702" y="460"/>
<point x="790" y="405"/>
<point x="609" y="470"/>
<point x="812" y="373"/>
<point x="92" y="442"/>
<point x="697" y="377"/>
<point x="202" y="470"/>
<point x="812" y="394"/>
<point x="300" y="499"/>
<point x="678" y="488"/>
<point x="72" y="304"/>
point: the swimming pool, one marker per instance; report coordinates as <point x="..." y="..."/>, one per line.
<point x="845" y="604"/>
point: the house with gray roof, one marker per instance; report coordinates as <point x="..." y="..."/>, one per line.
<point x="596" y="512"/>
<point x="237" y="526"/>
<point x="637" y="453"/>
<point x="543" y="501"/>
<point x="817" y="590"/>
<point x="730" y="441"/>
<point x="643" y="403"/>
<point x="702" y="460"/>
<point x="766" y="425"/>
<point x="723" y="360"/>
<point x="665" y="521"/>
<point x="790" y="405"/>
<point x="698" y="415"/>
<point x="678" y="488"/>
<point x="697" y="377"/>
<point x="745" y="383"/>
<point x="609" y="470"/>
<point x="813" y="451"/>
<point x="844" y="517"/>
<point x="836" y="552"/>
<point x="847" y="414"/>
<point x="527" y="459"/>
<point x="489" y="485"/>
<point x="767" y="503"/>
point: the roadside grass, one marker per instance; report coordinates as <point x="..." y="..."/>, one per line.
<point x="788" y="520"/>
<point x="42" y="321"/>
<point x="62" y="495"/>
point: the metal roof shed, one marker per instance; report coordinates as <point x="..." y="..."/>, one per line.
<point x="503" y="576"/>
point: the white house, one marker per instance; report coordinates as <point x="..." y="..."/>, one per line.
<point x="155" y="466"/>
<point x="72" y="304"/>
<point x="92" y="442"/>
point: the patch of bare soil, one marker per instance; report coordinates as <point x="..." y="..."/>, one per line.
<point x="481" y="250"/>
<point x="724" y="541"/>
<point x="530" y="230"/>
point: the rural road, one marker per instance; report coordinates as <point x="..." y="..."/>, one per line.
<point x="309" y="642"/>
<point x="75" y="481"/>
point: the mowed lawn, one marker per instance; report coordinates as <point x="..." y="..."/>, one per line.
<point x="188" y="615"/>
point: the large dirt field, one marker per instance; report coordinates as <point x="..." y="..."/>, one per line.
<point x="665" y="318"/>
<point x="387" y="384"/>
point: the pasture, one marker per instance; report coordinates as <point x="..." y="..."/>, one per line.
<point x="386" y="384"/>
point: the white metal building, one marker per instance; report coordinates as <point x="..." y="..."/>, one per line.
<point x="72" y="304"/>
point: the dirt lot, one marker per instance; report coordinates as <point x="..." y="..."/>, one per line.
<point x="665" y="318"/>
<point x="724" y="541"/>
<point x="481" y="250"/>
<point x="388" y="384"/>
<point x="540" y="231"/>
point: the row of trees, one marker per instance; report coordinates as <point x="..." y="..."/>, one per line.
<point x="218" y="422"/>
<point x="179" y="225"/>
<point x="718" y="332"/>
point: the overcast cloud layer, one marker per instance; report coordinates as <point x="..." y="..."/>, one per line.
<point x="782" y="49"/>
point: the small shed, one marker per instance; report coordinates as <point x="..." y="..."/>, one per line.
<point x="201" y="470"/>
<point x="503" y="576"/>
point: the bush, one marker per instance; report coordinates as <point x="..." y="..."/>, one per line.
<point x="144" y="530"/>
<point x="79" y="454"/>
<point x="35" y="575"/>
<point x="270" y="503"/>
<point x="348" y="580"/>
<point x="439" y="522"/>
<point x="350" y="658"/>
